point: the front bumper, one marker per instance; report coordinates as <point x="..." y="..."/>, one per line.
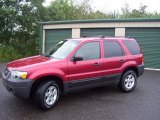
<point x="16" y="86"/>
<point x="140" y="70"/>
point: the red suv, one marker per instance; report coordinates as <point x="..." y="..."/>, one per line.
<point x="75" y="64"/>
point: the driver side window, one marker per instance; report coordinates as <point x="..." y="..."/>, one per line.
<point x="89" y="51"/>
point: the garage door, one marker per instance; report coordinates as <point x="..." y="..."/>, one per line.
<point x="149" y="40"/>
<point x="97" y="32"/>
<point x="54" y="36"/>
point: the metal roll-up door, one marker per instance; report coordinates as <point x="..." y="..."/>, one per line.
<point x="149" y="40"/>
<point x="53" y="36"/>
<point x="89" y="32"/>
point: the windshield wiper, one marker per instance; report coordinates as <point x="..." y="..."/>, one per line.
<point x="51" y="56"/>
<point x="46" y="55"/>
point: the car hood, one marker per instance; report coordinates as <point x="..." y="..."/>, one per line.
<point x="28" y="61"/>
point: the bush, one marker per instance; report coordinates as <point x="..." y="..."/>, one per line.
<point x="16" y="51"/>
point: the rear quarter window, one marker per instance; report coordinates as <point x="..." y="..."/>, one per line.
<point x="132" y="46"/>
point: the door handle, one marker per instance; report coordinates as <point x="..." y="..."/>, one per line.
<point x="122" y="61"/>
<point x="96" y="64"/>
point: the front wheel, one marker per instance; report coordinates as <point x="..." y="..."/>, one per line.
<point x="128" y="81"/>
<point x="47" y="95"/>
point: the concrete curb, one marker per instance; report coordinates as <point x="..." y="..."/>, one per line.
<point x="152" y="69"/>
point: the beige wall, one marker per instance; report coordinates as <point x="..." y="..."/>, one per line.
<point x="119" y="32"/>
<point x="103" y="25"/>
<point x="76" y="32"/>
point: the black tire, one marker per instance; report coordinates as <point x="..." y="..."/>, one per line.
<point x="40" y="96"/>
<point x="123" y="86"/>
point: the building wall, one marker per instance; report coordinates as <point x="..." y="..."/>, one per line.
<point x="121" y="29"/>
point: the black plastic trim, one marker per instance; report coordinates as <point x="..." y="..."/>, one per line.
<point x="18" y="87"/>
<point x="140" y="69"/>
<point x="90" y="82"/>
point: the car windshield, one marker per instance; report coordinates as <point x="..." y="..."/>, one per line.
<point x="63" y="49"/>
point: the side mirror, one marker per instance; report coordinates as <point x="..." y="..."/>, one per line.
<point x="77" y="58"/>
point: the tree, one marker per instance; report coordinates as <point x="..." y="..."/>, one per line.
<point x="70" y="10"/>
<point x="7" y="18"/>
<point x="141" y="12"/>
<point x="19" y="28"/>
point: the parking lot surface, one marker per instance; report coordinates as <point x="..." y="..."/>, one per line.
<point x="102" y="103"/>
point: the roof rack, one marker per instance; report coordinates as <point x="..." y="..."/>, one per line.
<point x="103" y="36"/>
<point x="99" y="36"/>
<point x="129" y="37"/>
<point x="84" y="36"/>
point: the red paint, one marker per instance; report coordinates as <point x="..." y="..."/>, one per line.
<point x="67" y="70"/>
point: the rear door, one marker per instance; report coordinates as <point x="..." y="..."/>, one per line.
<point x="113" y="59"/>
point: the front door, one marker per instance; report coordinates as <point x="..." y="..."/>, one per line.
<point x="90" y="67"/>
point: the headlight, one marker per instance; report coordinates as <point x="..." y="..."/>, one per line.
<point x="18" y="74"/>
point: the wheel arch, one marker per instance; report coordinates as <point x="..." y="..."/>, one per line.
<point x="135" y="69"/>
<point x="43" y="79"/>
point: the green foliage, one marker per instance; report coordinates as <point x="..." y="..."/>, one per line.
<point x="69" y="10"/>
<point x="14" y="51"/>
<point x="19" y="31"/>
<point x="138" y="13"/>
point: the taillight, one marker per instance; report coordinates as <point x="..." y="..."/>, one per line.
<point x="142" y="59"/>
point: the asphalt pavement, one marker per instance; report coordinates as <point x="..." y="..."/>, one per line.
<point x="103" y="103"/>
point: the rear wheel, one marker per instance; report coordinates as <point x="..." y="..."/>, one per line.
<point x="47" y="95"/>
<point x="128" y="81"/>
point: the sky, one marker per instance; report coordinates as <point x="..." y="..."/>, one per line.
<point x="116" y="5"/>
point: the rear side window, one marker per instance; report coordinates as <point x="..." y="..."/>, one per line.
<point x="112" y="49"/>
<point x="132" y="46"/>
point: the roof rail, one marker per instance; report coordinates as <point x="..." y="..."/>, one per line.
<point x="102" y="36"/>
<point x="129" y="37"/>
<point x="99" y="36"/>
<point x="84" y="36"/>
